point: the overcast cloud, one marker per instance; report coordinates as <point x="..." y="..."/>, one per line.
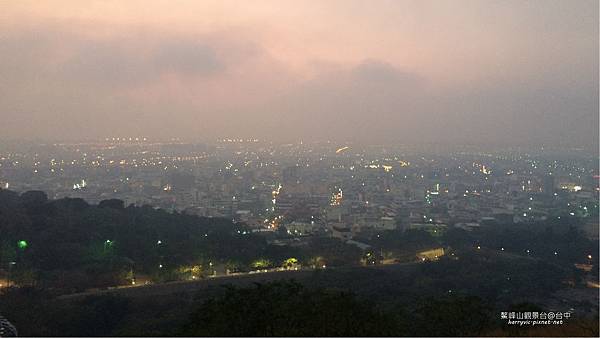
<point x="510" y="72"/>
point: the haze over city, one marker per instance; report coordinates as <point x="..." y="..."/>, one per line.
<point x="252" y="168"/>
<point x="468" y="72"/>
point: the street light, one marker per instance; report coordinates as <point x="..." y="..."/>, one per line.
<point x="10" y="265"/>
<point x="107" y="244"/>
<point x="22" y="244"/>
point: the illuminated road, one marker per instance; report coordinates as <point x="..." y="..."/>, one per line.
<point x="238" y="279"/>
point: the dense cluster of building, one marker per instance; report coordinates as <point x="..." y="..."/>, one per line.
<point x="319" y="188"/>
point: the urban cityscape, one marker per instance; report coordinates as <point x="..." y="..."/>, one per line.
<point x="327" y="206"/>
<point x="314" y="188"/>
<point x="299" y="168"/>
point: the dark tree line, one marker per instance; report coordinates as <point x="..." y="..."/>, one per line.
<point x="284" y="308"/>
<point x="72" y="245"/>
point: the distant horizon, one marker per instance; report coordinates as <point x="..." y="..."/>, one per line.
<point x="223" y="140"/>
<point x="431" y="71"/>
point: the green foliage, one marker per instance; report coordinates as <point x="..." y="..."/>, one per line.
<point x="287" y="309"/>
<point x="74" y="245"/>
<point x="262" y="264"/>
<point x="402" y="243"/>
<point x="452" y="316"/>
<point x="492" y="277"/>
<point x="556" y="242"/>
<point x="333" y="252"/>
<point x="35" y="313"/>
<point x="61" y="240"/>
<point x="67" y="250"/>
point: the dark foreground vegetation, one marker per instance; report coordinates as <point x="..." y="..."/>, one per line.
<point x="69" y="245"/>
<point x="52" y="248"/>
<point x="284" y="308"/>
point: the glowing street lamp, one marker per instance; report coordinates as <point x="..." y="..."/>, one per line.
<point x="10" y="265"/>
<point x="107" y="245"/>
<point x="22" y="244"/>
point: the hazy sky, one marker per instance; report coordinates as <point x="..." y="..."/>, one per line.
<point x="455" y="71"/>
